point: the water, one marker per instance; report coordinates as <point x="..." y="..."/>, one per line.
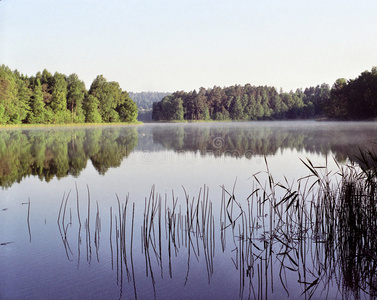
<point x="175" y="231"/>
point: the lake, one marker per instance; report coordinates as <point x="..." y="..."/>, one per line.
<point x="181" y="211"/>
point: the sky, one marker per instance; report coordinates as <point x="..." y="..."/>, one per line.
<point x="173" y="45"/>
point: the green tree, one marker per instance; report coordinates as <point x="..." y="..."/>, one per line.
<point x="361" y="95"/>
<point x="23" y="96"/>
<point x="47" y="81"/>
<point x="200" y="104"/>
<point x="169" y="109"/>
<point x="235" y="109"/>
<point x="214" y="101"/>
<point x="249" y="110"/>
<point x="267" y="112"/>
<point x="109" y="95"/>
<point x="59" y="99"/>
<point x="259" y="111"/>
<point x="91" y="108"/>
<point x="127" y="109"/>
<point x="177" y="109"/>
<point x="37" y="113"/>
<point x="8" y="95"/>
<point x="75" y="97"/>
<point x="338" y="106"/>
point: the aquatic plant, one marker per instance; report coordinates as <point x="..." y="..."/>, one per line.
<point x="316" y="233"/>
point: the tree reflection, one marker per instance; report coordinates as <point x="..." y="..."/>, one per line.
<point x="59" y="153"/>
<point x="247" y="141"/>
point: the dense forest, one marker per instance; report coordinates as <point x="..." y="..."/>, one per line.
<point x="56" y="99"/>
<point x="346" y="99"/>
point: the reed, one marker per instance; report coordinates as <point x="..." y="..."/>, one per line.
<point x="319" y="229"/>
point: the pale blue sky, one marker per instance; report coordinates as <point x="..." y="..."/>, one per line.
<point x="169" y="45"/>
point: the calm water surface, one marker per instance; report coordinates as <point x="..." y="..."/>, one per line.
<point x="163" y="211"/>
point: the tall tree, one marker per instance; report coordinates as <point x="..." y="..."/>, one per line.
<point x="127" y="109"/>
<point x="37" y="113"/>
<point x="59" y="99"/>
<point x="8" y="96"/>
<point x="23" y="96"/>
<point x="91" y="108"/>
<point x="235" y="109"/>
<point x="109" y="95"/>
<point x="75" y="97"/>
<point x="338" y="105"/>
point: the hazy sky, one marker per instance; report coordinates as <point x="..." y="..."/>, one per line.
<point x="169" y="45"/>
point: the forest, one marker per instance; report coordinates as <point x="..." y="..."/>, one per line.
<point x="60" y="99"/>
<point x="354" y="99"/>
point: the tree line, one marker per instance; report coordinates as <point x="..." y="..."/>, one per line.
<point x="242" y="103"/>
<point x="352" y="99"/>
<point x="55" y="99"/>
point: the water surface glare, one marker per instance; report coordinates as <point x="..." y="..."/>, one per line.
<point x="183" y="211"/>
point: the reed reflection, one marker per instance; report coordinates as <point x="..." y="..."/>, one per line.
<point x="314" y="237"/>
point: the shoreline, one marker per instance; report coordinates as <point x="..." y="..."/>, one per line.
<point x="15" y="126"/>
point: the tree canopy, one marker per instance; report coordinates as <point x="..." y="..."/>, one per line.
<point x="60" y="99"/>
<point x="242" y="103"/>
<point x="354" y="99"/>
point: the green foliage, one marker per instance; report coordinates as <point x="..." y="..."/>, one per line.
<point x="59" y="94"/>
<point x="91" y="107"/>
<point x="38" y="111"/>
<point x="56" y="99"/>
<point x="127" y="110"/>
<point x="13" y="111"/>
<point x="75" y="98"/>
<point x="354" y="99"/>
<point x="168" y="109"/>
<point x="244" y="103"/>
<point x="109" y="95"/>
<point x="2" y="112"/>
<point x="235" y="109"/>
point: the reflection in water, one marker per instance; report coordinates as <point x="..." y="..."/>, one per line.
<point x="54" y="152"/>
<point x="63" y="152"/>
<point x="316" y="240"/>
<point x="258" y="138"/>
<point x="284" y="240"/>
<point x="28" y="219"/>
<point x="63" y="227"/>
